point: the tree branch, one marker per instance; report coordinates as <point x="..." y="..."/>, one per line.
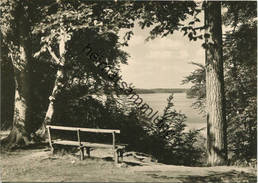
<point x="54" y="56"/>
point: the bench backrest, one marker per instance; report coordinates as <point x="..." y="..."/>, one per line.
<point x="94" y="130"/>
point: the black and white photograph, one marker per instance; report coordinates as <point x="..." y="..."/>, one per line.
<point x="128" y="91"/>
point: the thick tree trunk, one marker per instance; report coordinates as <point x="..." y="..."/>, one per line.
<point x="216" y="121"/>
<point x="20" y="132"/>
<point x="57" y="86"/>
<point x="7" y="90"/>
<point x="18" y="135"/>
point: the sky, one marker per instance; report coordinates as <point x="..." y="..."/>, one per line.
<point x="162" y="62"/>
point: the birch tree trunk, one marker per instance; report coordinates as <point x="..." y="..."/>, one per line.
<point x="216" y="121"/>
<point x="57" y="85"/>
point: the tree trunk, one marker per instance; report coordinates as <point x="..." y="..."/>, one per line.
<point x="57" y="86"/>
<point x="21" y="59"/>
<point x="216" y="121"/>
<point x="8" y="90"/>
<point x="50" y="110"/>
<point x="19" y="135"/>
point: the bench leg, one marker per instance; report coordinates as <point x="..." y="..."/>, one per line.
<point x="52" y="149"/>
<point x="82" y="153"/>
<point x="88" y="151"/>
<point x="116" y="156"/>
<point x="121" y="155"/>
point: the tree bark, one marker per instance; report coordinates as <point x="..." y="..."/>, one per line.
<point x="7" y="90"/>
<point x="19" y="135"/>
<point x="215" y="106"/>
<point x="21" y="59"/>
<point x="57" y="85"/>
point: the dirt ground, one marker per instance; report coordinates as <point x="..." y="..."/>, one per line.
<point x="39" y="164"/>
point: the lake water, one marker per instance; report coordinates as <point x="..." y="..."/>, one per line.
<point x="158" y="101"/>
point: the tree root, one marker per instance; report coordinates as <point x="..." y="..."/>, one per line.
<point x="16" y="139"/>
<point x="41" y="133"/>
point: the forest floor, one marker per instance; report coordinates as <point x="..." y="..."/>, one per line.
<point x="38" y="164"/>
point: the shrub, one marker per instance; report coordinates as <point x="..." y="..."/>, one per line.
<point x="171" y="142"/>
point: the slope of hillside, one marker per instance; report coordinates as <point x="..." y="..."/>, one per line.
<point x="40" y="165"/>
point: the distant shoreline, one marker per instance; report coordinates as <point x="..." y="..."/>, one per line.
<point x="161" y="90"/>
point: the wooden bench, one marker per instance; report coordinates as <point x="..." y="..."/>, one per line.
<point x="118" y="150"/>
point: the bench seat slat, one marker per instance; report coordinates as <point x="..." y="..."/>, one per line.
<point x="86" y="144"/>
<point x="84" y="129"/>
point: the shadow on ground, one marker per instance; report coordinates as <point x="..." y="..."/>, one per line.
<point x="230" y="177"/>
<point x="36" y="163"/>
